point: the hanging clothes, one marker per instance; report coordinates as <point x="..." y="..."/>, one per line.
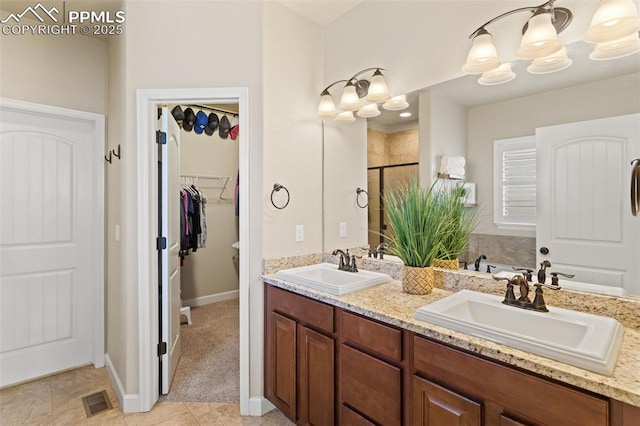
<point x="193" y="221"/>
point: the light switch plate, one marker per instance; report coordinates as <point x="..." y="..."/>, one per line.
<point x="117" y="236"/>
<point x="343" y="229"/>
<point x="299" y="233"/>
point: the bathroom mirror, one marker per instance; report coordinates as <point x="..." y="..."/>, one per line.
<point x="622" y="74"/>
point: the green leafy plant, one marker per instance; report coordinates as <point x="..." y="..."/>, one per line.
<point x="427" y="224"/>
<point x="458" y="222"/>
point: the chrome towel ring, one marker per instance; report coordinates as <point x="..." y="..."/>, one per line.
<point x="635" y="187"/>
<point x="358" y="192"/>
<point x="276" y="188"/>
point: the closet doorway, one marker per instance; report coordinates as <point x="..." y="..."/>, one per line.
<point x="198" y="192"/>
<point x="145" y="168"/>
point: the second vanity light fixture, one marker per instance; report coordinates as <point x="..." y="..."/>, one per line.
<point x="356" y="88"/>
<point x="614" y="30"/>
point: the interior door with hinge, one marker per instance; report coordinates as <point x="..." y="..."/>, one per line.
<point x="584" y="219"/>
<point x="169" y="260"/>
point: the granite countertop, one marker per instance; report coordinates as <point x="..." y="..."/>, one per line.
<point x="389" y="304"/>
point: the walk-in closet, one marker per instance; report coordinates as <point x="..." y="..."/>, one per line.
<point x="208" y="365"/>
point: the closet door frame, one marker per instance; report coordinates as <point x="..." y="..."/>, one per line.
<point x="145" y="171"/>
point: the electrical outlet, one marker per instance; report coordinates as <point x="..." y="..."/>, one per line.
<point x="299" y="233"/>
<point x="343" y="229"/>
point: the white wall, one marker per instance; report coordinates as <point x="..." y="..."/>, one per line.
<point x="210" y="270"/>
<point x="293" y="67"/>
<point x="68" y="71"/>
<point x="520" y="117"/>
<point x="193" y="44"/>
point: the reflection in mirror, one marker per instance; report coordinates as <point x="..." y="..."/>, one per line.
<point x="586" y="91"/>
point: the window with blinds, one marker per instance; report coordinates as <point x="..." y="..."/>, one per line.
<point x="514" y="182"/>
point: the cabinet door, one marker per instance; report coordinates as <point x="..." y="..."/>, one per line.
<point x="434" y="405"/>
<point x="315" y="378"/>
<point x="508" y="421"/>
<point x="281" y="368"/>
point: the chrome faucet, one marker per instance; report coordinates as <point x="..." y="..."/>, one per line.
<point x="347" y="262"/>
<point x="523" y="301"/>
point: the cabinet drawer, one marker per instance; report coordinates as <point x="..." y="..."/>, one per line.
<point x="370" y="386"/>
<point x="351" y="418"/>
<point x="517" y="391"/>
<point x="304" y="310"/>
<point x="379" y="338"/>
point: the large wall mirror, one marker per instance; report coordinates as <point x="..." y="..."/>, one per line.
<point x="463" y="109"/>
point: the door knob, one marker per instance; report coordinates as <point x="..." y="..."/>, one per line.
<point x="544" y="251"/>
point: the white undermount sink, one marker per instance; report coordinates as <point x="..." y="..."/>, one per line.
<point x="328" y="278"/>
<point x="584" y="340"/>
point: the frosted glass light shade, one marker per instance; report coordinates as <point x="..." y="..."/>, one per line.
<point x="326" y="108"/>
<point x="482" y="56"/>
<point x="368" y="111"/>
<point x="613" y="20"/>
<point x="350" y="100"/>
<point x="378" y="90"/>
<point x="346" y="117"/>
<point x="396" y="103"/>
<point x="617" y="49"/>
<point x="540" y="39"/>
<point x="500" y="75"/>
<point x="552" y="63"/>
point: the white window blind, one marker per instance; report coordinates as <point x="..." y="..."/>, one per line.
<point x="514" y="182"/>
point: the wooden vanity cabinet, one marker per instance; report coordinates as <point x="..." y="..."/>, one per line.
<point x="456" y="385"/>
<point x="299" y="357"/>
<point x="370" y="371"/>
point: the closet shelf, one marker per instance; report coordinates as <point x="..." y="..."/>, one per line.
<point x="224" y="179"/>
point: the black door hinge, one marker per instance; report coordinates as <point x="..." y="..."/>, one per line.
<point x="162" y="348"/>
<point x="161" y="137"/>
<point x="161" y="243"/>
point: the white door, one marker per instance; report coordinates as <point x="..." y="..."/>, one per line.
<point x="50" y="237"/>
<point x="583" y="188"/>
<point x="170" y="303"/>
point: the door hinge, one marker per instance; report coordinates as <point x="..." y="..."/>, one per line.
<point x="161" y="137"/>
<point x="161" y="243"/>
<point x="162" y="348"/>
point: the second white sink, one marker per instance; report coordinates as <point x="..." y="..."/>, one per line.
<point x="328" y="278"/>
<point x="588" y="341"/>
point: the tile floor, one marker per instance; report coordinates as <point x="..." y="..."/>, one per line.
<point x="56" y="400"/>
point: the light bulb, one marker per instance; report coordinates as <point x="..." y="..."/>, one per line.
<point x="540" y="39"/>
<point x="613" y="20"/>
<point x="326" y="108"/>
<point x="350" y="100"/>
<point x="482" y="56"/>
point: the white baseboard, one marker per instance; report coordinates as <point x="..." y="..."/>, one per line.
<point x="211" y="298"/>
<point x="130" y="403"/>
<point x="259" y="406"/>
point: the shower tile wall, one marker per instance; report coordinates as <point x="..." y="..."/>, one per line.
<point x="503" y="249"/>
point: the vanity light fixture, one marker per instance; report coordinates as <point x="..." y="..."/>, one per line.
<point x="614" y="28"/>
<point x="374" y="91"/>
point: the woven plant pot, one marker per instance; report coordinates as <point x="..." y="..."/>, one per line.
<point x="417" y="280"/>
<point x="446" y="264"/>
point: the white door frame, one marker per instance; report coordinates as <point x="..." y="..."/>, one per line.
<point x="98" y="237"/>
<point x="147" y="216"/>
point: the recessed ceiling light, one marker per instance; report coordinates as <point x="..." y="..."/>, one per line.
<point x="405" y="114"/>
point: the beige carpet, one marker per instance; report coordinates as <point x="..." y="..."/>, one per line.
<point x="209" y="367"/>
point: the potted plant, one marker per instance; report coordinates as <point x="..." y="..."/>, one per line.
<point x="457" y="224"/>
<point x="415" y="218"/>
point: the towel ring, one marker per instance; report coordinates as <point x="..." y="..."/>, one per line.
<point x="358" y="192"/>
<point x="277" y="187"/>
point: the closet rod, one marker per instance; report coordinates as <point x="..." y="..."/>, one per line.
<point x="206" y="177"/>
<point x="214" y="109"/>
